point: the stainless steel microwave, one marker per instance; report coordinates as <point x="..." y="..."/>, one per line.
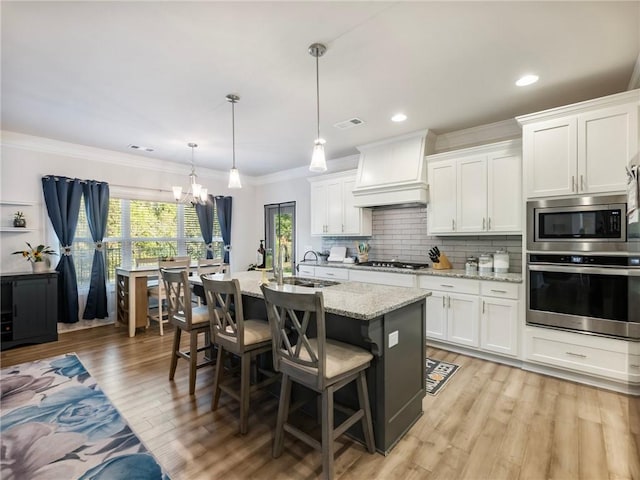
<point x="578" y="224"/>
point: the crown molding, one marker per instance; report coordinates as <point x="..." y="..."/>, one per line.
<point x="336" y="165"/>
<point x="110" y="157"/>
<point x="480" y="135"/>
<point x="576" y="108"/>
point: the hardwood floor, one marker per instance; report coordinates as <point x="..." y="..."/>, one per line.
<point x="491" y="421"/>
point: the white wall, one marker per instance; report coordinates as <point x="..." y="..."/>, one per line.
<point x="293" y="186"/>
<point x="26" y="159"/>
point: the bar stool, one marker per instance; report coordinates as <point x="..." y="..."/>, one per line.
<point x="234" y="334"/>
<point x="321" y="364"/>
<point x="157" y="291"/>
<point x="210" y="265"/>
<point x="184" y="317"/>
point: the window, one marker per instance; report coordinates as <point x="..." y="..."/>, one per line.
<point x="142" y="228"/>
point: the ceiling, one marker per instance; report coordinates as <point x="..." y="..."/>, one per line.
<point x="111" y="74"/>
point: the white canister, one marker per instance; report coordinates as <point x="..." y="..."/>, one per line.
<point x="501" y="261"/>
<point x="485" y="263"/>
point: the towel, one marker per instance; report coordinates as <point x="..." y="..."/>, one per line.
<point x="633" y="194"/>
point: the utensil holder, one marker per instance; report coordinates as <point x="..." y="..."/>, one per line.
<point x="443" y="264"/>
<point x="363" y="257"/>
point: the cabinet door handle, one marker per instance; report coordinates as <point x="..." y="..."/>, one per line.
<point x="499" y="291"/>
<point x="579" y="355"/>
<point x="448" y="301"/>
<point x="483" y="223"/>
<point x="445" y="285"/>
<point x="342" y="228"/>
<point x="483" y="306"/>
<point x="573" y="183"/>
<point x="443" y="300"/>
<point x="489" y="227"/>
<point x="453" y="224"/>
<point x="634" y="366"/>
<point x="582" y="182"/>
<point x="329" y="274"/>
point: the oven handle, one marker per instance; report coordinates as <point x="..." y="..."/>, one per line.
<point x="586" y="270"/>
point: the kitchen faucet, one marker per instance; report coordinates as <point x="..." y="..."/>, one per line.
<point x="304" y="258"/>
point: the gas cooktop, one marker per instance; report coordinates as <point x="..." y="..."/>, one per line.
<point x="406" y="265"/>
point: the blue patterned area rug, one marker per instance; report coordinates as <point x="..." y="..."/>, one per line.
<point x="438" y="374"/>
<point x="56" y="423"/>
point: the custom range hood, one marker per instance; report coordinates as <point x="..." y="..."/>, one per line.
<point x="393" y="172"/>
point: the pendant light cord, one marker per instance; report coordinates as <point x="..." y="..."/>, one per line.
<point x="318" y="95"/>
<point x="233" y="132"/>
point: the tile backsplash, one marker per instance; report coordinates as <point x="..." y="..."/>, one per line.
<point x="401" y="233"/>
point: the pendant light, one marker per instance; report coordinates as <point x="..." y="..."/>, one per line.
<point x="234" y="175"/>
<point x="195" y="193"/>
<point x="318" y="161"/>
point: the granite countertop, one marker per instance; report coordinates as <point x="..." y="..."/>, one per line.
<point x="457" y="273"/>
<point x="362" y="301"/>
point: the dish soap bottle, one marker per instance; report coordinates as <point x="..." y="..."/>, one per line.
<point x="260" y="255"/>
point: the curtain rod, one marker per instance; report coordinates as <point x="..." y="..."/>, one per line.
<point x="67" y="179"/>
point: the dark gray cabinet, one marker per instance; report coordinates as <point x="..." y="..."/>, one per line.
<point x="29" y="308"/>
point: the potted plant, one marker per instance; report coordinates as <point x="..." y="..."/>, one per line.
<point x="19" y="220"/>
<point x="37" y="256"/>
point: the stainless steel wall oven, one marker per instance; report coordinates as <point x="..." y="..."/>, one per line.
<point x="598" y="294"/>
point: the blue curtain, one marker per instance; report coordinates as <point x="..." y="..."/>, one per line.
<point x="96" y="202"/>
<point x="205" y="219"/>
<point x="62" y="197"/>
<point x="223" y="205"/>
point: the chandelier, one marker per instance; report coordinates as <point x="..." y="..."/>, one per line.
<point x="318" y="161"/>
<point x="195" y="193"/>
<point x="234" y="175"/>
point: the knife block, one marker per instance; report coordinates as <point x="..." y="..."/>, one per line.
<point x="443" y="264"/>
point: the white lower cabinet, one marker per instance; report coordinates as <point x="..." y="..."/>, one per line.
<point x="597" y="356"/>
<point x="331" y="273"/>
<point x="463" y="319"/>
<point x="479" y="314"/>
<point x="634" y="369"/>
<point x="383" y="278"/>
<point x="452" y="310"/>
<point x="499" y="318"/>
<point x="306" y="271"/>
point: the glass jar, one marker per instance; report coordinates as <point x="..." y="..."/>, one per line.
<point x="485" y="264"/>
<point x="501" y="261"/>
<point x="471" y="266"/>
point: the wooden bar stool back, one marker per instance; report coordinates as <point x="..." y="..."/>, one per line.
<point x="157" y="291"/>
<point x="319" y="363"/>
<point x="233" y="334"/>
<point x="184" y="317"/>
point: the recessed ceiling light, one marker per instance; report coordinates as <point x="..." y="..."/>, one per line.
<point x="399" y="117"/>
<point x="527" y="80"/>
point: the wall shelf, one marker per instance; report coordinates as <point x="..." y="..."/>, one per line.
<point x="17" y="229"/>
<point x="31" y="210"/>
<point x="17" y="203"/>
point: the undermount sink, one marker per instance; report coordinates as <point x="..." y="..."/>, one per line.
<point x="309" y="282"/>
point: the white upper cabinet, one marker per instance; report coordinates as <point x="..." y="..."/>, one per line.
<point x="581" y="148"/>
<point x="332" y="210"/>
<point x="471" y="209"/>
<point x="476" y="190"/>
<point x="442" y="193"/>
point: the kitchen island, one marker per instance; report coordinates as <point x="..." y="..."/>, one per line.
<point x="387" y="321"/>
